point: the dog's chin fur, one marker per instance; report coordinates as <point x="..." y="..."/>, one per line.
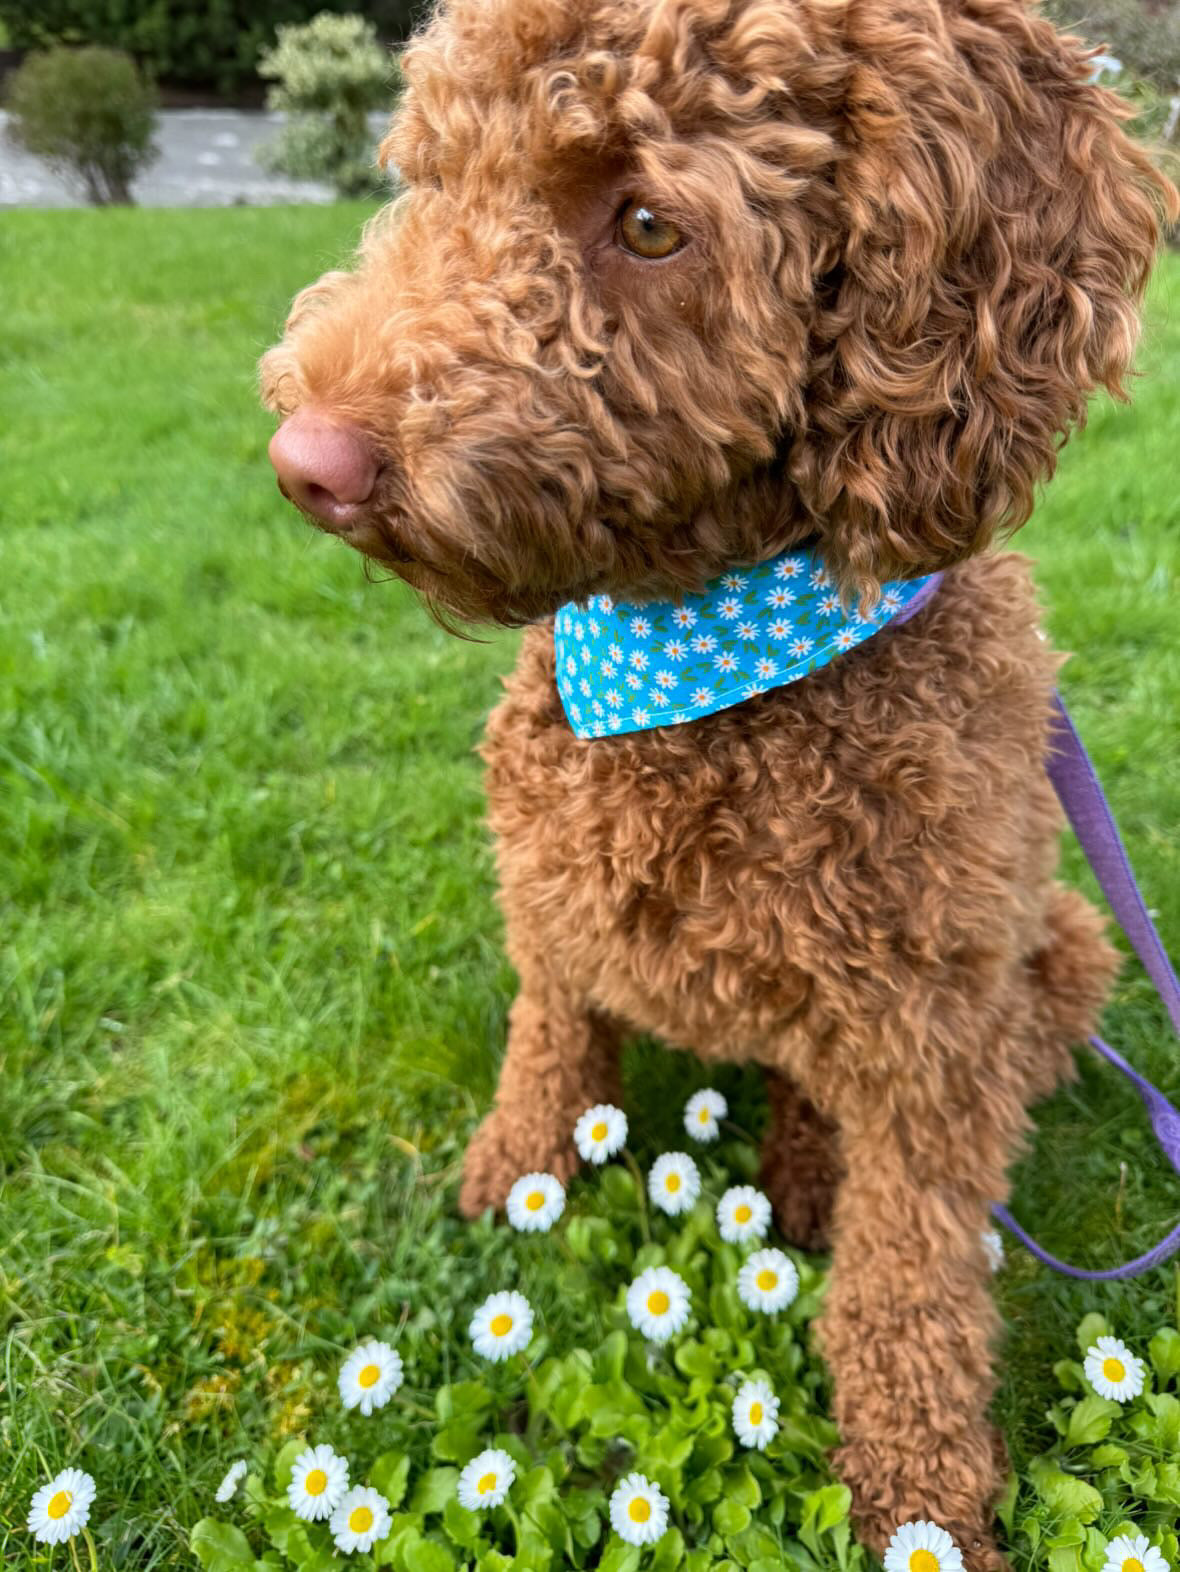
<point x="915" y="240"/>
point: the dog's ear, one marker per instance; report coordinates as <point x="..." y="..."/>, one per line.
<point x="999" y="227"/>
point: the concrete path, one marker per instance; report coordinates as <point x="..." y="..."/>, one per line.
<point x="206" y="160"/>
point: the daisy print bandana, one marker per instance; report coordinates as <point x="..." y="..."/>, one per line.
<point x="628" y="667"/>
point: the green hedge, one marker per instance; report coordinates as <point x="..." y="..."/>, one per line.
<point x="210" y="44"/>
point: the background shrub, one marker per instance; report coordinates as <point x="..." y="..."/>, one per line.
<point x="207" y="44"/>
<point x="329" y="74"/>
<point x="89" y="114"/>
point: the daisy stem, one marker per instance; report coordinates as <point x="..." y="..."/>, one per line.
<point x="637" y="1175"/>
<point x="738" y="1130"/>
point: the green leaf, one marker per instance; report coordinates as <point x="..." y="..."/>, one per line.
<point x="823" y="1509"/>
<point x="610" y="1358"/>
<point x="742" y="1487"/>
<point x="456" y="1443"/>
<point x="1090" y="1329"/>
<point x="620" y="1558"/>
<point x="1006" y="1505"/>
<point x="668" y="1553"/>
<point x="730" y="1517"/>
<point x="694" y="1359"/>
<point x="1164" y="1349"/>
<point x="434" y="1489"/>
<point x="285" y="1462"/>
<point x="390" y="1474"/>
<point x="1062" y="1493"/>
<point x="1108" y="1456"/>
<point x="430" y="1556"/>
<point x="618" y="1189"/>
<point x="219" y="1546"/>
<point x="1166" y="1430"/>
<point x="1089" y="1421"/>
<point x="462" y="1400"/>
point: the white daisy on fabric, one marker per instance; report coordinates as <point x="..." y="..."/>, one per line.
<point x="922" y="1547"/>
<point x="640" y="627"/>
<point x="702" y="1113"/>
<point x="725" y="661"/>
<point x="753" y="691"/>
<point x="607" y="669"/>
<point x="755" y="1414"/>
<point x="579" y="631"/>
<point x="704" y="643"/>
<point x="584" y="688"/>
<point x="361" y="1518"/>
<point x="535" y="1203"/>
<point x="228" y="1488"/>
<point x="595" y="630"/>
<point x="891" y="600"/>
<point x="747" y="630"/>
<point x="605" y="603"/>
<point x="766" y="668"/>
<point x="641" y="716"/>
<point x="571" y="665"/>
<point x="801" y="647"/>
<point x="639" y="659"/>
<point x="486" y="1480"/>
<point x="778" y="598"/>
<point x="733" y="581"/>
<point x="576" y="711"/>
<point x="319" y="1481"/>
<point x="845" y="639"/>
<point x="684" y="617"/>
<point x="743" y="1214"/>
<point x="501" y="1326"/>
<point x="659" y="698"/>
<point x="701" y="695"/>
<point x="614" y="721"/>
<point x="993" y="1248"/>
<point x="1113" y="1370"/>
<point x="616" y="654"/>
<point x="370" y="1376"/>
<point x="658" y="1303"/>
<point x="780" y="628"/>
<point x="1134" y="1554"/>
<point x="638" y="1510"/>
<point x="829" y="606"/>
<point x="729" y="608"/>
<point x="767" y="1281"/>
<point x="614" y="698"/>
<point x="633" y="681"/>
<point x="62" y="1507"/>
<point x="666" y="679"/>
<point x="675" y="649"/>
<point x="821" y="578"/>
<point x="674" y="1183"/>
<point x="599" y="729"/>
<point x="790" y="568"/>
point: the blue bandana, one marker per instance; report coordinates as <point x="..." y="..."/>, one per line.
<point x="624" y="667"/>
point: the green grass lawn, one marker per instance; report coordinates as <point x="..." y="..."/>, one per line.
<point x="251" y="990"/>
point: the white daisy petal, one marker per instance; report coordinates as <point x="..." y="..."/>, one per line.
<point x="768" y="1281"/>
<point x="1113" y="1370"/>
<point x="702" y="1114"/>
<point x="755" y="1414"/>
<point x="600" y="1132"/>
<point x="658" y="1303"/>
<point x="61" y="1509"/>
<point x="234" y="1475"/>
<point x="743" y="1213"/>
<point x="674" y="1183"/>
<point x="370" y="1376"/>
<point x="1134" y="1553"/>
<point x="535" y="1203"/>
<point x="638" y="1510"/>
<point x="486" y="1480"/>
<point x="922" y="1547"/>
<point x="502" y="1326"/>
<point x="361" y="1518"/>
<point x="319" y="1481"/>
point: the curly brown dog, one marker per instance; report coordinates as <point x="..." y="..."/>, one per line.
<point x="674" y="285"/>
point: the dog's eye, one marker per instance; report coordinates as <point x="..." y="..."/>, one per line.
<point x="645" y="234"/>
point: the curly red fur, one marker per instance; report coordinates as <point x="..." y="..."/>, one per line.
<point x="916" y="238"/>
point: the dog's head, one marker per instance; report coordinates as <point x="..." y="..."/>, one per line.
<point x="676" y="283"/>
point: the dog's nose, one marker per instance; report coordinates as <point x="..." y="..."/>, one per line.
<point x="326" y="468"/>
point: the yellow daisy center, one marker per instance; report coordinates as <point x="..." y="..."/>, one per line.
<point x="534" y="1200"/>
<point x="369" y="1376"/>
<point x="672" y="1183"/>
<point x="923" y="1561"/>
<point x="487" y="1484"/>
<point x="658" y="1302"/>
<point x="1114" y="1369"/>
<point x="598" y="1131"/>
<point x="59" y="1504"/>
<point x="1132" y="1564"/>
<point x="743" y="1214"/>
<point x="767" y="1280"/>
<point x="316" y="1482"/>
<point x="360" y="1519"/>
<point x="703" y="1116"/>
<point x="501" y="1325"/>
<point x="640" y="1510"/>
<point x="755" y="1413"/>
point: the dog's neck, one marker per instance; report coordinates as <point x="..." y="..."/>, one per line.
<point x="631" y="665"/>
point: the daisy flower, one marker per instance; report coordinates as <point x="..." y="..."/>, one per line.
<point x="701" y="695"/>
<point x="922" y="1547"/>
<point x="703" y="643"/>
<point x="360" y="1519"/>
<point x="658" y="1303"/>
<point x="675" y="649"/>
<point x="638" y="1510"/>
<point x="640" y="627"/>
<point x="767" y="1281"/>
<point x="319" y="1480"/>
<point x="501" y="1326"/>
<point x="1125" y="1554"/>
<point x="1113" y="1370"/>
<point x="62" y="1507"/>
<point x="993" y="1248"/>
<point x="725" y="661"/>
<point x="729" y="608"/>
<point x="766" y="668"/>
<point x="747" y="630"/>
<point x="486" y="1480"/>
<point x="641" y="716"/>
<point x="234" y="1475"/>
<point x="733" y="581"/>
<point x="370" y="1376"/>
<point x="600" y="1132"/>
<point x="702" y="1112"/>
<point x="743" y="1213"/>
<point x="845" y="639"/>
<point x="674" y="1183"/>
<point x="684" y="617"/>
<point x="755" y="1414"/>
<point x="535" y="1203"/>
<point x="780" y="628"/>
<point x="790" y="569"/>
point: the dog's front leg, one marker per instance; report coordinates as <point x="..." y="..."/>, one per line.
<point x="909" y="1323"/>
<point x="562" y="1057"/>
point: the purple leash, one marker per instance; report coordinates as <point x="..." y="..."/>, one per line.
<point x="1089" y="813"/>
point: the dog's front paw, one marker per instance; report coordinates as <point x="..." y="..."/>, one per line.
<point x="504" y="1148"/>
